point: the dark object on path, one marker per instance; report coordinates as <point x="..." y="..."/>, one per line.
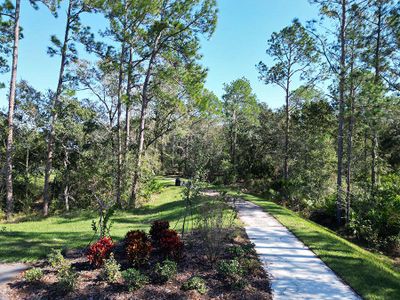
<point x="177" y="182"/>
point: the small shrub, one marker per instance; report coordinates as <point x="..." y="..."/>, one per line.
<point x="232" y="272"/>
<point x="250" y="265"/>
<point x="165" y="271"/>
<point x="171" y="245"/>
<point x="56" y="259"/>
<point x="134" y="279"/>
<point x="99" y="251"/>
<point x="229" y="268"/>
<point x="195" y="283"/>
<point x="33" y="275"/>
<point x="67" y="277"/>
<point x="214" y="221"/>
<point x="137" y="247"/>
<point x="111" y="271"/>
<point x="236" y="251"/>
<point x="157" y="227"/>
<point x="248" y="248"/>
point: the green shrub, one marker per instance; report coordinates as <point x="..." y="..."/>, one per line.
<point x="195" y="283"/>
<point x="165" y="271"/>
<point x="111" y="271"/>
<point x="248" y="248"/>
<point x="33" y="275"/>
<point x="67" y="277"/>
<point x="236" y="251"/>
<point x="56" y="259"/>
<point x="232" y="272"/>
<point x="229" y="268"/>
<point x="250" y="265"/>
<point x="134" y="279"/>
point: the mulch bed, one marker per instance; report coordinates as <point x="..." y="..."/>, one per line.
<point x="194" y="262"/>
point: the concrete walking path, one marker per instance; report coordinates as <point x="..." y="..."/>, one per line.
<point x="297" y="273"/>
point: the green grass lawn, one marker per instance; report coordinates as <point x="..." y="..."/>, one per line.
<point x="31" y="240"/>
<point x="373" y="276"/>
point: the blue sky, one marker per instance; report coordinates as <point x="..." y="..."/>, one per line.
<point x="238" y="44"/>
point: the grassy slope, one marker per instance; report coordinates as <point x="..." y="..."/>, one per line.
<point x="373" y="276"/>
<point x="32" y="240"/>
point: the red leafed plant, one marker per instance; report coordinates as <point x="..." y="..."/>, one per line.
<point x="156" y="230"/>
<point x="100" y="250"/>
<point x="137" y="247"/>
<point x="171" y="245"/>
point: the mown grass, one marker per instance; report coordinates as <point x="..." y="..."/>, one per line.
<point x="32" y="239"/>
<point x="371" y="275"/>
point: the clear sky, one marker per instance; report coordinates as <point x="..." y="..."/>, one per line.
<point x="238" y="44"/>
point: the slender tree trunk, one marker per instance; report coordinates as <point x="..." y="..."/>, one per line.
<point x="377" y="62"/>
<point x="142" y="126"/>
<point x="342" y="81"/>
<point x="54" y="117"/>
<point x="11" y="105"/>
<point x="287" y="119"/>
<point x="349" y="154"/>
<point x="119" y="135"/>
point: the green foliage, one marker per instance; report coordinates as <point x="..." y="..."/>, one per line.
<point x="165" y="271"/>
<point x="56" y="259"/>
<point x="67" y="277"/>
<point x="195" y="283"/>
<point x="232" y="272"/>
<point x="236" y="251"/>
<point x="215" y="219"/>
<point x="111" y="270"/>
<point x="134" y="279"/>
<point x="250" y="265"/>
<point x="33" y="275"/>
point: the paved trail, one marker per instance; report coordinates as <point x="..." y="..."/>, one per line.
<point x="297" y="273"/>
<point x="8" y="272"/>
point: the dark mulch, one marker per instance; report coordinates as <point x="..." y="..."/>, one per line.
<point x="194" y="262"/>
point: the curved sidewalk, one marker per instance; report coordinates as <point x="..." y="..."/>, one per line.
<point x="297" y="273"/>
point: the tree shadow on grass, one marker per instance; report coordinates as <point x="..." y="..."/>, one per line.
<point x="28" y="246"/>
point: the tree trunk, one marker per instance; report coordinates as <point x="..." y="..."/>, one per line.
<point x="54" y="117"/>
<point x="342" y="81"/>
<point x="287" y="118"/>
<point x="142" y="126"/>
<point x="11" y="105"/>
<point x="349" y="155"/>
<point x="375" y="142"/>
<point x="119" y="135"/>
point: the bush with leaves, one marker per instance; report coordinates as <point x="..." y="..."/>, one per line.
<point x="33" y="275"/>
<point x="157" y="227"/>
<point x="250" y="265"/>
<point x="137" y="247"/>
<point x="165" y="271"/>
<point x="99" y="251"/>
<point x="195" y="283"/>
<point x="56" y="259"/>
<point x="214" y="221"/>
<point x="232" y="272"/>
<point x="171" y="245"/>
<point x="134" y="279"/>
<point x="111" y="271"/>
<point x="67" y="277"/>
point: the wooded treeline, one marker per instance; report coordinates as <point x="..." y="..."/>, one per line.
<point x="331" y="152"/>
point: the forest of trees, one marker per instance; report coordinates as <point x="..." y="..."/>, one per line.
<point x="332" y="152"/>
